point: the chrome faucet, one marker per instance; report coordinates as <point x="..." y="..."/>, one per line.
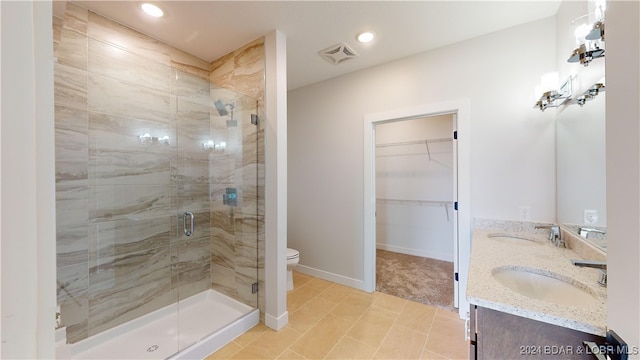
<point x="600" y="265"/>
<point x="554" y="234"/>
<point x="584" y="231"/>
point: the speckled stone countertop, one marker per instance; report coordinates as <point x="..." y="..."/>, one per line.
<point x="544" y="258"/>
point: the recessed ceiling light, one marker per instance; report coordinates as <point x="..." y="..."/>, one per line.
<point x="152" y="10"/>
<point x="366" y="36"/>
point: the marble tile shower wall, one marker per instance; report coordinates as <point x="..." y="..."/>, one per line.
<point x="241" y="71"/>
<point x="121" y="252"/>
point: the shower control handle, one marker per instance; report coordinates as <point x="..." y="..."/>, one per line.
<point x="192" y="219"/>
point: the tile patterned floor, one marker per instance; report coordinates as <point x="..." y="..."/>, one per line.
<point x="332" y="321"/>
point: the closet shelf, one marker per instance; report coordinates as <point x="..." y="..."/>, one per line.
<point x="417" y="142"/>
<point x="414" y="202"/>
<point x="425" y="142"/>
<point x="444" y="204"/>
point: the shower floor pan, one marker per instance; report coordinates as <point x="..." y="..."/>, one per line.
<point x="208" y="320"/>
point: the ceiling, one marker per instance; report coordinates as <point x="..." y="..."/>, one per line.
<point x="211" y="29"/>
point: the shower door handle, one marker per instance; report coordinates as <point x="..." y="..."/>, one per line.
<point x="192" y="219"/>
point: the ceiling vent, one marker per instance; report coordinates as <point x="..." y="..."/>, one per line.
<point x="337" y="54"/>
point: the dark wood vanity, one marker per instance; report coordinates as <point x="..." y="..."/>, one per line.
<point x="496" y="335"/>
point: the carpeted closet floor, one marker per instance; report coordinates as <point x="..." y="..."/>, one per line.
<point x="423" y="280"/>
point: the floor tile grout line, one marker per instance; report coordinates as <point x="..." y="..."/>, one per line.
<point x="349" y="329"/>
<point x="390" y="327"/>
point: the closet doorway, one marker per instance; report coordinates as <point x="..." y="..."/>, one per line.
<point x="461" y="218"/>
<point x="415" y="218"/>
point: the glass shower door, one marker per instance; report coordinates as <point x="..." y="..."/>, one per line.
<point x="214" y="247"/>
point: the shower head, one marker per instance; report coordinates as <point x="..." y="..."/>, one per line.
<point x="222" y="109"/>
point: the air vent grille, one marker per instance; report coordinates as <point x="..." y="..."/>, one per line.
<point x="337" y="54"/>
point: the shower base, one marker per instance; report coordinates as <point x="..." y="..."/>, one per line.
<point x="208" y="321"/>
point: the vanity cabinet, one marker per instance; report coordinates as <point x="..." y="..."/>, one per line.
<point x="497" y="335"/>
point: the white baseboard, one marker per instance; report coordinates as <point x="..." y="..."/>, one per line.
<point x="415" y="252"/>
<point x="276" y="323"/>
<point x="343" y="280"/>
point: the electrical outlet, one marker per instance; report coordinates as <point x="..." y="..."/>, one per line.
<point x="524" y="213"/>
<point x="590" y="216"/>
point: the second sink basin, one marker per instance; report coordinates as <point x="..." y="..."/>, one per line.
<point x="514" y="239"/>
<point x="554" y="288"/>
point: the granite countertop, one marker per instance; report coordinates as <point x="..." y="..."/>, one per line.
<point x="484" y="290"/>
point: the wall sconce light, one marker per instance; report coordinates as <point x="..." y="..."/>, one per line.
<point x="146" y="138"/>
<point x="212" y="146"/>
<point x="590" y="94"/>
<point x="589" y="36"/>
<point x="552" y="98"/>
<point x="584" y="56"/>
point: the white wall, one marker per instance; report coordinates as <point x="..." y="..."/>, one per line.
<point x="28" y="196"/>
<point x="497" y="72"/>
<point x="623" y="170"/>
<point x="409" y="172"/>
<point x="276" y="180"/>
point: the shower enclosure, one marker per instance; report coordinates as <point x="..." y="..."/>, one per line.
<point x="159" y="214"/>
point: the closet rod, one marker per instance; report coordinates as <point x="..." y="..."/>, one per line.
<point x="417" y="142"/>
<point x="444" y="204"/>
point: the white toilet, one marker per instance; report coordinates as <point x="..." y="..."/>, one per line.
<point x="293" y="257"/>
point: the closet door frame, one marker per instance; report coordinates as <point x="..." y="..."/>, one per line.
<point x="462" y="217"/>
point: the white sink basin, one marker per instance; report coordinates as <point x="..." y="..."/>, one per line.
<point x="534" y="284"/>
<point x="515" y="239"/>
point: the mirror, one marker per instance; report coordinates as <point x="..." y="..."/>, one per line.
<point x="581" y="170"/>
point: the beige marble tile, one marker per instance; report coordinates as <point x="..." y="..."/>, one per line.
<point x="71" y="127"/>
<point x="72" y="205"/>
<point x="72" y="282"/>
<point x="321" y="338"/>
<point x="106" y="312"/>
<point x="190" y="254"/>
<point x="117" y="63"/>
<point x="71" y="49"/>
<point x="401" y="343"/>
<point x="71" y="165"/>
<point x="72" y="244"/>
<point x="103" y="29"/>
<point x="112" y="132"/>
<point x="74" y="313"/>
<point x="120" y="98"/>
<point x="115" y="202"/>
<point x="188" y="63"/>
<point x="125" y="236"/>
<point x="76" y="18"/>
<point x="447" y="338"/>
<point x="222" y="70"/>
<point x="111" y="167"/>
<point x="349" y="348"/>
<point x="110" y="274"/>
<point x="70" y="87"/>
<point x="193" y="281"/>
<point x="191" y="168"/>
